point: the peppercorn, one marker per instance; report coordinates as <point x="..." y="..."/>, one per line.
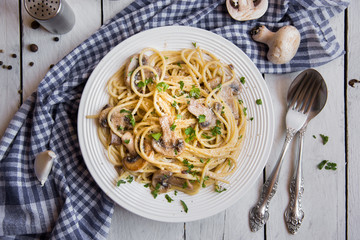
<point x="56" y="39"/>
<point x="31" y="64"/>
<point x="13" y="55"/>
<point x="33" y="47"/>
<point x="51" y="66"/>
<point x="9" y="67"/>
<point x="35" y="25"/>
<point x="1" y="63"/>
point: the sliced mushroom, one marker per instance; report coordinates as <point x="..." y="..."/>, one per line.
<point x="115" y="139"/>
<point x="133" y="162"/>
<point x="103" y="116"/>
<point x="164" y="181"/>
<point x="228" y="94"/>
<point x="213" y="83"/>
<point x="120" y="122"/>
<point x="283" y="44"/>
<point x="168" y="144"/>
<point x="197" y="109"/>
<point x="131" y="65"/>
<point x="243" y="10"/>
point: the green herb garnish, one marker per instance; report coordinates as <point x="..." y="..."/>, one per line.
<point x="156" y="191"/>
<point x="174" y="104"/>
<point x="216" y="131"/>
<point x="172" y="127"/>
<point x="322" y="164"/>
<point x="132" y="120"/>
<point x="251" y="118"/>
<point x="205" y="136"/>
<point x="156" y="136"/>
<point x="188" y="165"/>
<point x="242" y="80"/>
<point x="175" y="193"/>
<point x="314" y="136"/>
<point x="162" y="86"/>
<point x="124" y="111"/>
<point x="184" y="206"/>
<point x="147" y="185"/>
<point x="129" y="179"/>
<point x="120" y="128"/>
<point x="194" y="92"/>
<point x="258" y="101"/>
<point x="190" y="132"/>
<point x="219" y="189"/>
<point x="244" y="111"/>
<point x="201" y="118"/>
<point x="127" y="141"/>
<point x="181" y="85"/>
<point x="324" y="138"/>
<point x="194" y="44"/>
<point x="168" y="198"/>
<point x="120" y="182"/>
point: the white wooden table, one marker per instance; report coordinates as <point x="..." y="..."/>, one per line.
<point x="331" y="198"/>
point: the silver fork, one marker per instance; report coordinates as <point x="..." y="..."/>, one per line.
<point x="299" y="98"/>
<point x="294" y="213"/>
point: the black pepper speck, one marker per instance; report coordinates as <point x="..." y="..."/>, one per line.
<point x="52" y="65"/>
<point x="31" y="64"/>
<point x="1" y="63"/>
<point x="35" y="25"/>
<point x="9" y="67"/>
<point x="56" y="39"/>
<point x="33" y="47"/>
<point x="13" y="55"/>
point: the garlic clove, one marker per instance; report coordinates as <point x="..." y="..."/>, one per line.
<point x="43" y="164"/>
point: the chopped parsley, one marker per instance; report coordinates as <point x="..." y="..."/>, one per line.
<point x="194" y="92"/>
<point x="166" y="57"/>
<point x="240" y="101"/>
<point x="216" y="131"/>
<point x="174" y="104"/>
<point x="168" y="198"/>
<point x="258" y="101"/>
<point x="130" y="179"/>
<point x="175" y="151"/>
<point x="328" y="166"/>
<point x="175" y="193"/>
<point x="205" y="179"/>
<point x="194" y="44"/>
<point x="251" y="118"/>
<point x="179" y="64"/>
<point x="147" y="185"/>
<point x="190" y="132"/>
<point x="172" y="127"/>
<point x="132" y="120"/>
<point x="178" y="116"/>
<point x="156" y="191"/>
<point x="130" y="73"/>
<point x="120" y="128"/>
<point x="156" y="136"/>
<point x="244" y="111"/>
<point x="314" y="136"/>
<point x="185" y="185"/>
<point x="120" y="182"/>
<point x="127" y="141"/>
<point x="229" y="163"/>
<point x="219" y="189"/>
<point x="143" y="84"/>
<point x="181" y="85"/>
<point x="184" y="206"/>
<point x="124" y="111"/>
<point x="324" y="138"/>
<point x="242" y="80"/>
<point x="201" y="118"/>
<point x="162" y="86"/>
<point x="205" y="136"/>
<point x="219" y="86"/>
<point x="188" y="165"/>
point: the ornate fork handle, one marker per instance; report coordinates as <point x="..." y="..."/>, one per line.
<point x="259" y="214"/>
<point x="294" y="213"/>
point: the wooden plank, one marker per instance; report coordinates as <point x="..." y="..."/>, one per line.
<point x="10" y="80"/>
<point x="88" y="20"/>
<point x="353" y="116"/>
<point x="324" y="195"/>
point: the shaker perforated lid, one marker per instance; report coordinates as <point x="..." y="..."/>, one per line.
<point x="42" y="9"/>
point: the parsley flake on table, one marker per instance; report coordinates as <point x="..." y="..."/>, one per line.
<point x="324" y="138"/>
<point x="184" y="206"/>
<point x="156" y="136"/>
<point x="328" y="165"/>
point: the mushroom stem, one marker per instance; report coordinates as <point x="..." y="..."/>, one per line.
<point x="243" y="10"/>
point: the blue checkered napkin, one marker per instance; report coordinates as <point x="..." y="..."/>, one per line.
<point x="70" y="205"/>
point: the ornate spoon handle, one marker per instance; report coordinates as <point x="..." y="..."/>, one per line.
<point x="294" y="213"/>
<point x="259" y="214"/>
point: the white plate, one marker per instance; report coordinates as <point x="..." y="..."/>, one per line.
<point x="256" y="148"/>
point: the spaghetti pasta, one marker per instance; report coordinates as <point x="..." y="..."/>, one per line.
<point x="174" y="120"/>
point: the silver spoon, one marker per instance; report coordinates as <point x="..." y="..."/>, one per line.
<point x="294" y="213"/>
<point x="301" y="100"/>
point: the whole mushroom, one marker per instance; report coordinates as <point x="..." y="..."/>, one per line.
<point x="243" y="10"/>
<point x="282" y="44"/>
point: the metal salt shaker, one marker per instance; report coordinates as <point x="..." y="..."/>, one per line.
<point x="56" y="16"/>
